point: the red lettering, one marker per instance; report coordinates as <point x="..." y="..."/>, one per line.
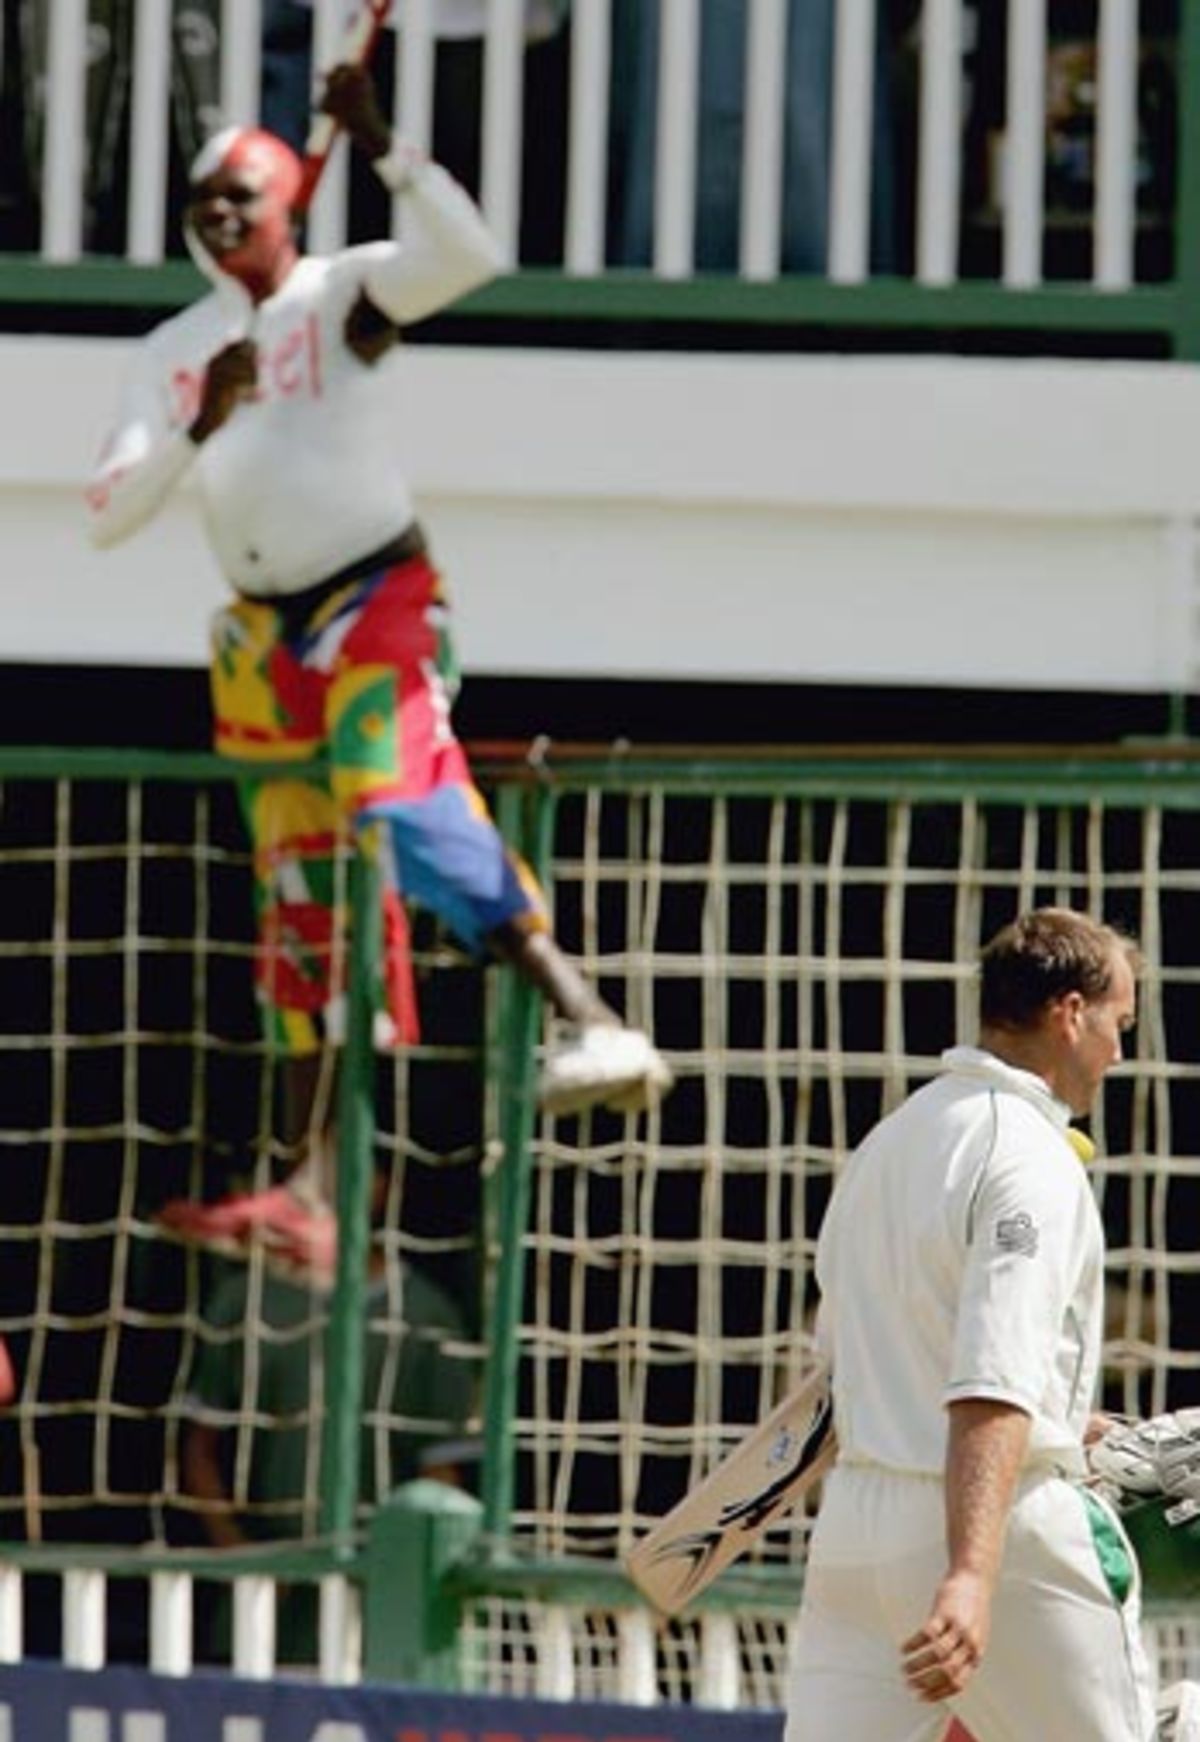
<point x="185" y="393"/>
<point x="287" y="364"/>
<point x="313" y="332"/>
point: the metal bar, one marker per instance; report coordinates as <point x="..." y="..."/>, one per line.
<point x="1116" y="144"/>
<point x="587" y="147"/>
<point x="1187" y="197"/>
<point x="940" y="143"/>
<point x="342" y="1427"/>
<point x="149" y="140"/>
<point x="514" y="1055"/>
<point x="762" y="151"/>
<point x="675" y="143"/>
<point x="503" y="84"/>
<point x="62" y="168"/>
<point x="853" y="128"/>
<point x="1024" y="168"/>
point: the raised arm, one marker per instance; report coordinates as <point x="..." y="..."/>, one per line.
<point x="445" y="247"/>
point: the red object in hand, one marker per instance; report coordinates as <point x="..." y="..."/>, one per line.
<point x="357" y="47"/>
<point x="956" y="1733"/>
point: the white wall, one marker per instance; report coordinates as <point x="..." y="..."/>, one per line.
<point x="809" y="518"/>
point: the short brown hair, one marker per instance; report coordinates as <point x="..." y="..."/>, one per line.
<point x="1041" y="956"/>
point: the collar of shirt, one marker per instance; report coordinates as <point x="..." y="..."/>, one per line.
<point x="973" y="1061"/>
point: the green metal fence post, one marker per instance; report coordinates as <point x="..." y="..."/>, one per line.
<point x="411" y="1617"/>
<point x="342" y="1427"/>
<point x="1187" y="199"/>
<point x="518" y="1016"/>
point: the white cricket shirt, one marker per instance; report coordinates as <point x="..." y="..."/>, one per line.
<point x="962" y="1255"/>
<point x="304" y="479"/>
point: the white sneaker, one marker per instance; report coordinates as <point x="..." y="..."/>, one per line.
<point x="1179" y="1713"/>
<point x="601" y="1063"/>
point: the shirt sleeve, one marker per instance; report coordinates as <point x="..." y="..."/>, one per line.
<point x="444" y="249"/>
<point x="1020" y="1261"/>
<point x="142" y="459"/>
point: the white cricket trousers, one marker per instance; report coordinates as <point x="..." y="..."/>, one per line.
<point x="1065" y="1661"/>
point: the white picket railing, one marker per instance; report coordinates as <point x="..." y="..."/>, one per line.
<point x="83" y="1616"/>
<point x="944" y="30"/>
<point x="718" y="1678"/>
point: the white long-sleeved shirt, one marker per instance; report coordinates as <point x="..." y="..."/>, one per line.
<point x="303" y="479"/>
<point x="962" y="1256"/>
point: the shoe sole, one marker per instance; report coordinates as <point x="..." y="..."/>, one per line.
<point x="634" y="1094"/>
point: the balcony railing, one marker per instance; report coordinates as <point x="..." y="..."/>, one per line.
<point x="932" y="164"/>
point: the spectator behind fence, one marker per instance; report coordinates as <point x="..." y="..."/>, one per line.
<point x="804" y="239"/>
<point x="195" y="104"/>
<point x="459" y="27"/>
<point x="250" y="1453"/>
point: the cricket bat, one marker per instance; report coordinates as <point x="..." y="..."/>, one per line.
<point x="764" y="1475"/>
<point x="355" y="49"/>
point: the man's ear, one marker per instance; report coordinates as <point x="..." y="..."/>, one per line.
<point x="1066" y="1012"/>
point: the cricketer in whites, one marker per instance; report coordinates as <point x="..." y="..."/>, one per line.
<point x="958" y="1565"/>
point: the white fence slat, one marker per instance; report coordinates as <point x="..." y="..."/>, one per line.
<point x="62" y="167"/>
<point x="12" y="1631"/>
<point x="637" y="1674"/>
<point x="555" y="1671"/>
<point x="412" y="111"/>
<point x="83" y="1641"/>
<point x="720" y="1681"/>
<point x="853" y="129"/>
<point x="241" y="61"/>
<point x="339" y="1632"/>
<point x="675" y="144"/>
<point x="1024" y="169"/>
<point x="762" y="152"/>
<point x="171" y="1623"/>
<point x="939" y="157"/>
<point x="503" y="86"/>
<point x="149" y="130"/>
<point x="587" y="149"/>
<point x="1116" y="144"/>
<point x="327" y="216"/>
<point x="254" y="1627"/>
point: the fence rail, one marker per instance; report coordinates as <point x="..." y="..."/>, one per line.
<point x="939" y="165"/>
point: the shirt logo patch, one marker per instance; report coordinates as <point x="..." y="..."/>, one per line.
<point x="1018" y="1234"/>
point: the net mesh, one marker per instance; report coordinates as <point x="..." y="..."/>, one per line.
<point x="802" y="960"/>
<point x="800" y="952"/>
<point x="132" y="1071"/>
